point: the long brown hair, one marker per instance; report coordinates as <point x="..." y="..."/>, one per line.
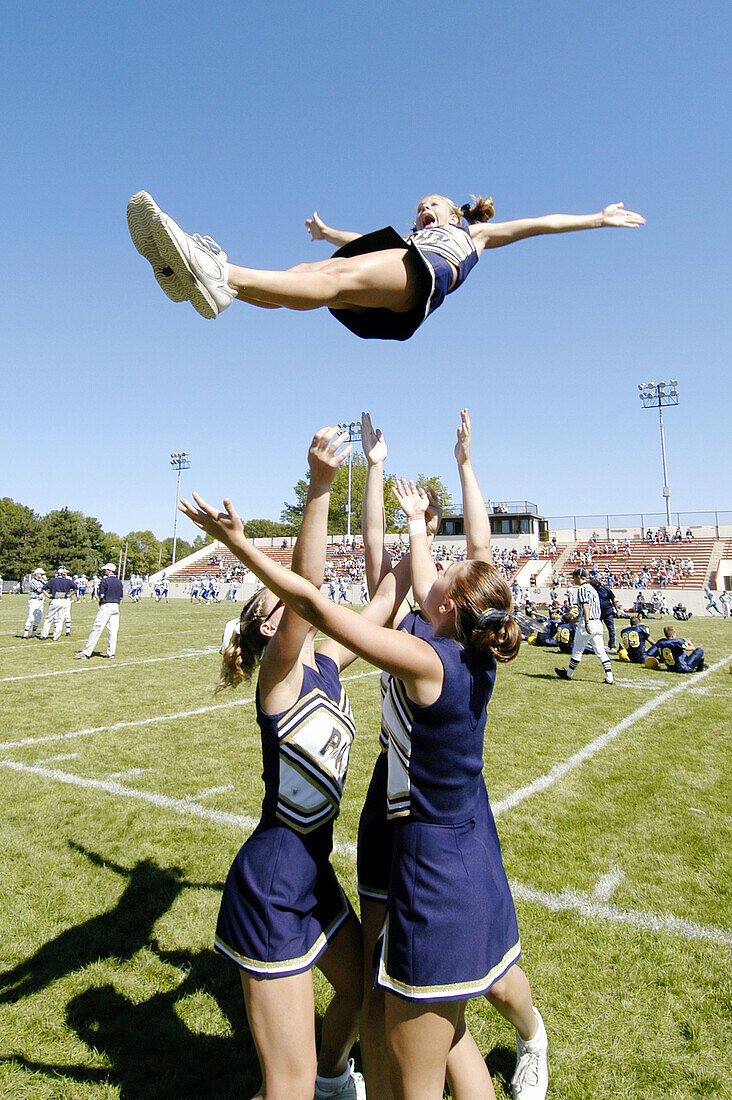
<point x="483" y="611"/>
<point x="245" y="645"/>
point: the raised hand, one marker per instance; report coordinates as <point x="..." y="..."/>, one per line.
<point x="462" y="447"/>
<point x="316" y="227"/>
<point x="324" y="457"/>
<point x="434" y="513"/>
<point x="616" y="215"/>
<point x="219" y="525"/>
<point x="374" y="446"/>
<point x="411" y="497"/>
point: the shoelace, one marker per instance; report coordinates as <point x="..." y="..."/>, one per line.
<point x="207" y="242"/>
<point x="528" y="1072"/>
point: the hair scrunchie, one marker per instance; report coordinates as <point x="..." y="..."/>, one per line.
<point x="494" y="615"/>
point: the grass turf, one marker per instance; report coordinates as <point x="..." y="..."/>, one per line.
<point x="127" y="788"/>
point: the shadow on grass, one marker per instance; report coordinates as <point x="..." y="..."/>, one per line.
<point x="501" y="1064"/>
<point x="148" y="1048"/>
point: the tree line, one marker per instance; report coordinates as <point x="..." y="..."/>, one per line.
<point x="67" y="537"/>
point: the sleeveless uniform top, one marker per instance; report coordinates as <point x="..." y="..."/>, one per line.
<point x="446" y="248"/>
<point x="282" y="902"/>
<point x="305" y="751"/>
<point x="436" y="752"/>
<point x="451" y="929"/>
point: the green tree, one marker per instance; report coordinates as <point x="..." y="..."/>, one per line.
<point x="67" y="540"/>
<point x="143" y="552"/>
<point x="20" y="539"/>
<point x="265" y="528"/>
<point x="182" y="550"/>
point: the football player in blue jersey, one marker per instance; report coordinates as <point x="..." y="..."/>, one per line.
<point x="676" y="654"/>
<point x="634" y="639"/>
<point x="379" y="285"/>
<point x="547" y="635"/>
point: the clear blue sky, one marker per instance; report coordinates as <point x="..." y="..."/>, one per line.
<point x="240" y="119"/>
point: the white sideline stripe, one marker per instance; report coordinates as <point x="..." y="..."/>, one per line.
<point x="207" y="793"/>
<point x="560" y="770"/>
<point x="567" y="900"/>
<point x="150" y="721"/>
<point x="164" y="802"/>
<point x="638" y="687"/>
<point x="107" y="667"/>
<point x="608" y="884"/>
<point x="586" y="906"/>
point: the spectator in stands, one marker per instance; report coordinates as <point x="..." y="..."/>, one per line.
<point x="677" y="654"/>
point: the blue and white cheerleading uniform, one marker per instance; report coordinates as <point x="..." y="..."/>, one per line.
<point x="451" y="928"/>
<point x="444" y="256"/>
<point x="282" y="902"/>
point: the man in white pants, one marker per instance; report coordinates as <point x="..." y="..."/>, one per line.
<point x="110" y="594"/>
<point x="35" y="603"/>
<point x="589" y="629"/>
<point x="59" y="588"/>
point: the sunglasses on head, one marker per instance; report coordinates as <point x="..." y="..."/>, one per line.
<point x="276" y="607"/>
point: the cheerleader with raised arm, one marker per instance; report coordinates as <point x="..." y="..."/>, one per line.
<point x="451" y="929"/>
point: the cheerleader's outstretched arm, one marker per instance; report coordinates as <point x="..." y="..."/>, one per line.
<point x="496" y="234"/>
<point x="475" y="514"/>
<point x="319" y="231"/>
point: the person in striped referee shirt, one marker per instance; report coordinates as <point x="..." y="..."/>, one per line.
<point x="589" y="629"/>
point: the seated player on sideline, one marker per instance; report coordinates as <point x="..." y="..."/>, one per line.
<point x="633" y="640"/>
<point x="677" y="654"/>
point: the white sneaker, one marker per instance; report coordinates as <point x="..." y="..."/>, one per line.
<point x="196" y="262"/>
<point x="141" y="209"/>
<point x="353" y="1088"/>
<point x="531" y="1079"/>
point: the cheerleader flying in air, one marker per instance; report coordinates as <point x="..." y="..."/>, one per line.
<point x="379" y="285"/>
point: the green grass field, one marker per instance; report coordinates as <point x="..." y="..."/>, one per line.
<point x="127" y="788"/>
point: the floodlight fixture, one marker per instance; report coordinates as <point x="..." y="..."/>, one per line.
<point x="179" y="461"/>
<point x="655" y="395"/>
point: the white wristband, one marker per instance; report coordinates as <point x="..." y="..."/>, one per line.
<point x="416" y="526"/>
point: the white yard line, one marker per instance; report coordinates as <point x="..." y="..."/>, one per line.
<point x="107" y="665"/>
<point x="174" y="717"/>
<point x="588" y="906"/>
<point x="30" y="642"/>
<point x="593" y="906"/>
<point x="559" y="771"/>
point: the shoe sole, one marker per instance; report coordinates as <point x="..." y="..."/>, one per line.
<point x="142" y="212"/>
<point x="171" y="255"/>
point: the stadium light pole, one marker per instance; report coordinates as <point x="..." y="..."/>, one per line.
<point x="179" y="461"/>
<point x="655" y="395"/>
<point x="353" y="427"/>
